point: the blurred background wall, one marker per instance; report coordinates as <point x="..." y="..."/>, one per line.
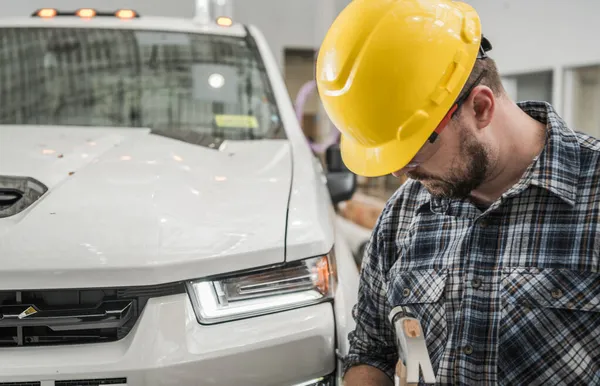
<point x="548" y="50"/>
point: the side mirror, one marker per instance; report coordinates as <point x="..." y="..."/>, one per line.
<point x="340" y="180"/>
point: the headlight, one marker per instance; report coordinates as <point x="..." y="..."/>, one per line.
<point x="292" y="285"/>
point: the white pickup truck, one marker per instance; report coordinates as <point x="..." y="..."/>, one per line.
<point x="162" y="218"/>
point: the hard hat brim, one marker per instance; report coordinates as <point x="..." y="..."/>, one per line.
<point x="380" y="160"/>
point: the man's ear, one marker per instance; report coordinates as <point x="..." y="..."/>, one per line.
<point x="483" y="104"/>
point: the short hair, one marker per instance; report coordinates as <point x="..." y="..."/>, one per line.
<point x="491" y="77"/>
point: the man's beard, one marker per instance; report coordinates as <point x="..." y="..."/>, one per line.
<point x="466" y="174"/>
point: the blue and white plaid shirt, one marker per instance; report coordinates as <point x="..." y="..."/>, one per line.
<point x="507" y="296"/>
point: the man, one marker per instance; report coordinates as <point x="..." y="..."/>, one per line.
<point x="494" y="241"/>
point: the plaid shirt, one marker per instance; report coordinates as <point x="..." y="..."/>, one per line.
<point x="510" y="295"/>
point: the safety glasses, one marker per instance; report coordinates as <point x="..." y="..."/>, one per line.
<point x="430" y="148"/>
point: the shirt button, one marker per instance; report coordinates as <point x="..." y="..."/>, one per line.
<point x="557" y="293"/>
<point x="476" y="283"/>
<point x="468" y="349"/>
<point x="406" y="292"/>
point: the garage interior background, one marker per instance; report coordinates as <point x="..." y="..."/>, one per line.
<point x="545" y="49"/>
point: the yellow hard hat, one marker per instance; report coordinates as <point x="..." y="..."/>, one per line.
<point x="389" y="71"/>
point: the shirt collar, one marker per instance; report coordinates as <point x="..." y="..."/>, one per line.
<point x="556" y="169"/>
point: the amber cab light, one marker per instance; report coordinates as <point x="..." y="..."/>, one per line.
<point x="86" y="13"/>
<point x="125" y="14"/>
<point x="224" y="21"/>
<point x="47" y="13"/>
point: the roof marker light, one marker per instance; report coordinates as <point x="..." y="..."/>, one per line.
<point x="125" y="14"/>
<point x="47" y="13"/>
<point x="224" y="21"/>
<point x="86" y="13"/>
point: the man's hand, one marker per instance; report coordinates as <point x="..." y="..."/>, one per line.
<point x="401" y="375"/>
<point x="364" y="375"/>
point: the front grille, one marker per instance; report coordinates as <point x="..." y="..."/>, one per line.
<point x="58" y="317"/>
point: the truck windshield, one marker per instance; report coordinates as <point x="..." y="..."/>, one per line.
<point x="193" y="87"/>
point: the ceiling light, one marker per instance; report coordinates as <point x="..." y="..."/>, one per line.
<point x="216" y="80"/>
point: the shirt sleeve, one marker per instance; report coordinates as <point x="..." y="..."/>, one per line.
<point x="373" y="341"/>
